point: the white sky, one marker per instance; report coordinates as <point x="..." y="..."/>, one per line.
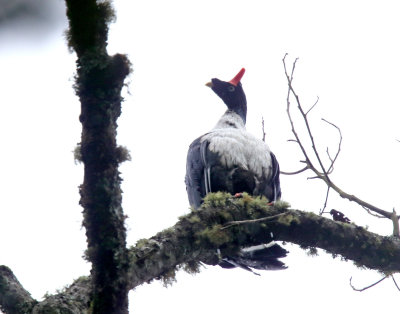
<point x="349" y="57"/>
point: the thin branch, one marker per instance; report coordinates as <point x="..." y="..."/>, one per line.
<point x="357" y="200"/>
<point x="297" y="138"/>
<point x="313" y="145"/>
<point x="395" y="221"/>
<point x="241" y="222"/>
<point x="304" y="115"/>
<point x="294" y="172"/>
<point x="372" y="213"/>
<point x="323" y="174"/>
<point x="370" y="286"/>
<point x="395" y="283"/>
<point x="326" y="201"/>
<point x="312" y="107"/>
<point x="263" y="129"/>
<point x="330" y="169"/>
<point x="291" y="90"/>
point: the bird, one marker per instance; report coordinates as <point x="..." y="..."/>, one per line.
<point x="230" y="159"/>
<point x="339" y="216"/>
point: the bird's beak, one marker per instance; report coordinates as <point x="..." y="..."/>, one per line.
<point x="209" y="84"/>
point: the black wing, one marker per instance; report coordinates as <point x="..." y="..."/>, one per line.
<point x="203" y="166"/>
<point x="275" y="182"/>
<point x="269" y="185"/>
<point x="197" y="172"/>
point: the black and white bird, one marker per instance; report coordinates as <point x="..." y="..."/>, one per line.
<point x="230" y="159"/>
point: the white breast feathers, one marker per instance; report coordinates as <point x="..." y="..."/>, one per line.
<point x="237" y="147"/>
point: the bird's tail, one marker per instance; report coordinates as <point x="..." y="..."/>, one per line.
<point x="261" y="257"/>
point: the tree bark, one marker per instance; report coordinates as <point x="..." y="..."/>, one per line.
<point x="99" y="81"/>
<point x="196" y="237"/>
<point x="228" y="224"/>
<point x="14" y="299"/>
<point x="73" y="300"/>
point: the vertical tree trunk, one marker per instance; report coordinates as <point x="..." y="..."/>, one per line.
<point x="99" y="81"/>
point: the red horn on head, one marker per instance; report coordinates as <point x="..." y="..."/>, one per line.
<point x="238" y="77"/>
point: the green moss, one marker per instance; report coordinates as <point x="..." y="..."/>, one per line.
<point x="192" y="267"/>
<point x="225" y="215"/>
<point x="123" y="154"/>
<point x="142" y="243"/>
<point x="260" y="202"/>
<point x="194" y="219"/>
<point x="253" y="205"/>
<point x="169" y="231"/>
<point x="168" y="278"/>
<point x="77" y="153"/>
<point x="288" y="219"/>
<point x="246" y="199"/>
<point x="281" y="205"/>
<point x="217" y="199"/>
<point x="214" y="235"/>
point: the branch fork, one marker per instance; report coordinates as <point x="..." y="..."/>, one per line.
<point x="321" y="171"/>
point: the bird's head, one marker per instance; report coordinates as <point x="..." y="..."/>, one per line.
<point x="231" y="93"/>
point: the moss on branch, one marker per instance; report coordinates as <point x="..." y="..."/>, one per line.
<point x="14" y="299"/>
<point x="196" y="237"/>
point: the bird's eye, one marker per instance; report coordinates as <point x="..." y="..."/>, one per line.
<point x="231" y="88"/>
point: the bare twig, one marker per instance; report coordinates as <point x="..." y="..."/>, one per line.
<point x="312" y="107"/>
<point x="326" y="201"/>
<point x="357" y="200"/>
<point x="323" y="172"/>
<point x="304" y="115"/>
<point x="395" y="221"/>
<point x="395" y="283"/>
<point x="372" y="213"/>
<point x="370" y="286"/>
<point x="294" y="172"/>
<point x="290" y="79"/>
<point x="330" y="169"/>
<point x="241" y="222"/>
<point x="263" y="129"/>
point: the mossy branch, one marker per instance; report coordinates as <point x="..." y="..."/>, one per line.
<point x="72" y="299"/>
<point x="195" y="238"/>
<point x="197" y="235"/>
<point x="14" y="299"/>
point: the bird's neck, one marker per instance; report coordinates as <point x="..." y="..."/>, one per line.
<point x="231" y="119"/>
<point x="241" y="112"/>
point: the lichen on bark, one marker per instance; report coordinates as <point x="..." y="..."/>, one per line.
<point x="98" y="84"/>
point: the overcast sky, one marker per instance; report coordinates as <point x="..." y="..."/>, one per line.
<point x="348" y="57"/>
